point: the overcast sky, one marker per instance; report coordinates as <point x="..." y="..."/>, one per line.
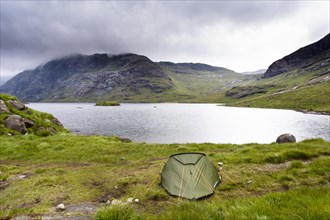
<point x="239" y="35"/>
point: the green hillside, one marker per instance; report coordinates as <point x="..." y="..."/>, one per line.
<point x="303" y="89"/>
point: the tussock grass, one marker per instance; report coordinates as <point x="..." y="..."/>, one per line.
<point x="267" y="181"/>
<point x="116" y="212"/>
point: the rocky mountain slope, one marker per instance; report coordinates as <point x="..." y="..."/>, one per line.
<point x="305" y="56"/>
<point x="80" y="77"/>
<point x="299" y="81"/>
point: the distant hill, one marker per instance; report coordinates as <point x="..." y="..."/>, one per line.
<point x="301" y="58"/>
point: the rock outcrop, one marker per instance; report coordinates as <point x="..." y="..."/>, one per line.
<point x="17" y="118"/>
<point x="305" y="56"/>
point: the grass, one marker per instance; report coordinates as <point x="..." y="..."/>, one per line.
<point x="116" y="213"/>
<point x="260" y="181"/>
<point x="306" y="98"/>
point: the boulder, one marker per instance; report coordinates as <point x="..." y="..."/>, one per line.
<point x="16" y="122"/>
<point x="28" y="123"/>
<point x="286" y="138"/>
<point x="16" y="104"/>
<point x="3" y="107"/>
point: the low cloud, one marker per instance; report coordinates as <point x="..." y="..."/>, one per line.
<point x="241" y="35"/>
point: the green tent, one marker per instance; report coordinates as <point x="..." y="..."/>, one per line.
<point x="189" y="175"/>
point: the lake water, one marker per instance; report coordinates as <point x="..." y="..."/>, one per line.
<point x="187" y="123"/>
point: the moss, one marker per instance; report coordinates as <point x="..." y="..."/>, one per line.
<point x="107" y="103"/>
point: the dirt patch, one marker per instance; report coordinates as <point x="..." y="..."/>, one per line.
<point x="30" y="204"/>
<point x="81" y="211"/>
<point x="115" y="193"/>
<point x="6" y="183"/>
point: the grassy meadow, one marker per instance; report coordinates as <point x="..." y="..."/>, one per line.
<point x="259" y="181"/>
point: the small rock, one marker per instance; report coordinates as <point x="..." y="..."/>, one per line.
<point x="286" y="138"/>
<point x="249" y="181"/>
<point x="116" y="202"/>
<point x="28" y="123"/>
<point x="60" y="207"/>
<point x="108" y="202"/>
<point x="20" y="177"/>
<point x="130" y="200"/>
<point x="57" y="122"/>
<point x="16" y="104"/>
<point x="136" y="200"/>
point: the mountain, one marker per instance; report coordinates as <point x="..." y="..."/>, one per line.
<point x="82" y="78"/>
<point x="122" y="78"/>
<point x="305" y="56"/>
<point x="300" y="81"/>
<point x="261" y="71"/>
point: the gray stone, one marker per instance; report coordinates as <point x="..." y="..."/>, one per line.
<point x="3" y="107"/>
<point x="286" y="138"/>
<point x="57" y="122"/>
<point x="130" y="200"/>
<point x="16" y="123"/>
<point x="28" y="123"/>
<point x="16" y="104"/>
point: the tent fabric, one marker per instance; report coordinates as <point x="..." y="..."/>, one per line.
<point x="189" y="175"/>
